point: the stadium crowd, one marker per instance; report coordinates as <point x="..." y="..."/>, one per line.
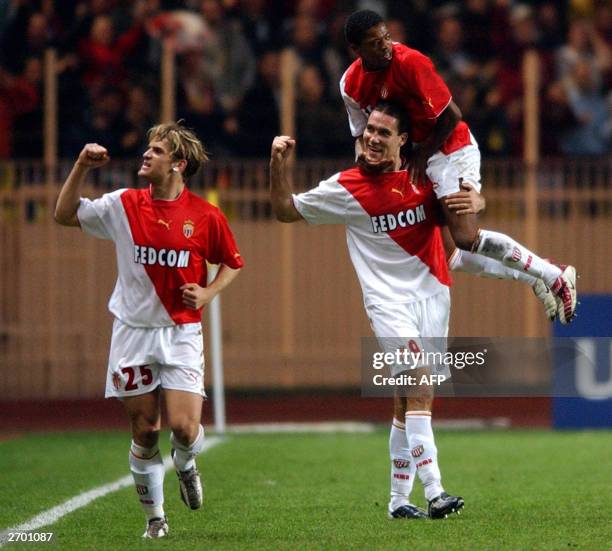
<point x="228" y="70"/>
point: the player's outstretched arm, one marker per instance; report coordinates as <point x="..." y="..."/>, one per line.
<point x="92" y="156"/>
<point x="280" y="188"/>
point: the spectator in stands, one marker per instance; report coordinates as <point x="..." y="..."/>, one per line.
<point x="27" y="35"/>
<point x="476" y="22"/>
<point x="139" y="116"/>
<point x="107" y="123"/>
<point x="197" y="102"/>
<point x="103" y="55"/>
<point x="258" y="119"/>
<point x="551" y="25"/>
<point x="227" y="59"/>
<point x="18" y="96"/>
<point x="28" y="129"/>
<point x="320" y="123"/>
<point x="259" y="26"/>
<point x="449" y="55"/>
<point x="584" y="45"/>
<point x="336" y="55"/>
<point x="397" y="30"/>
<point x="306" y="41"/>
<point x="592" y="134"/>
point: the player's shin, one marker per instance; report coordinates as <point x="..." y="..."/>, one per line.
<point x="403" y="469"/>
<point x="148" y="471"/>
<point x="514" y="255"/>
<point x="184" y="456"/>
<point x="423" y="452"/>
<point x="483" y="266"/>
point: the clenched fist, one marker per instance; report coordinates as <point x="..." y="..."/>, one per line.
<point x="93" y="156"/>
<point x="281" y="148"/>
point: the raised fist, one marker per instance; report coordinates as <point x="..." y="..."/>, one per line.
<point x="93" y="156"/>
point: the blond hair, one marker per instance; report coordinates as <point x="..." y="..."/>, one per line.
<point x="184" y="144"/>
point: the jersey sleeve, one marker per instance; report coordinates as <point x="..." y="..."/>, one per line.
<point x="98" y="217"/>
<point x="357" y="118"/>
<point x="223" y="248"/>
<point x="424" y="81"/>
<point x="324" y="204"/>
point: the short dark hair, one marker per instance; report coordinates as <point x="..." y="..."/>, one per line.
<point x="397" y="111"/>
<point x="358" y="24"/>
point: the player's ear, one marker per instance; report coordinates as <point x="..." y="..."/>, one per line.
<point x="179" y="166"/>
<point x="403" y="138"/>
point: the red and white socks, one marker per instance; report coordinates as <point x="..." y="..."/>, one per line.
<point x="403" y="468"/>
<point x="514" y="255"/>
<point x="184" y="456"/>
<point x="423" y="452"/>
<point x="148" y="470"/>
<point x="483" y="266"/>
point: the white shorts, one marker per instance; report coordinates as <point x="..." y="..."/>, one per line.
<point x="416" y="326"/>
<point x="141" y="359"/>
<point x="445" y="171"/>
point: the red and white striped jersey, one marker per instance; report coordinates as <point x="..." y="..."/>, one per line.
<point x="392" y="232"/>
<point x="160" y="246"/>
<point x="411" y="80"/>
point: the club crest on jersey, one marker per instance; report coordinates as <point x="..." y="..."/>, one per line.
<point x="188" y="227"/>
<point x="384" y="92"/>
<point x="116" y="381"/>
<point x="401" y="463"/>
<point x="403" y="219"/>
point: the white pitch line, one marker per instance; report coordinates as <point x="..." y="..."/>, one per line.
<point x="323" y="427"/>
<point x="51" y="516"/>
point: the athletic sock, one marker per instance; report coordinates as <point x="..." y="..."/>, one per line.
<point x="184" y="456"/>
<point x="483" y="266"/>
<point x="148" y="471"/>
<point x="514" y="255"/>
<point x="424" y="452"/>
<point x="403" y="470"/>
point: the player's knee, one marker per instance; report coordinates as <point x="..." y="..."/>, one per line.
<point x="185" y="430"/>
<point x="423" y="402"/>
<point x="145" y="429"/>
<point x="145" y="435"/>
<point x="465" y="238"/>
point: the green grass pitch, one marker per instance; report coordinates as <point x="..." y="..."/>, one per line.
<point x="524" y="490"/>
